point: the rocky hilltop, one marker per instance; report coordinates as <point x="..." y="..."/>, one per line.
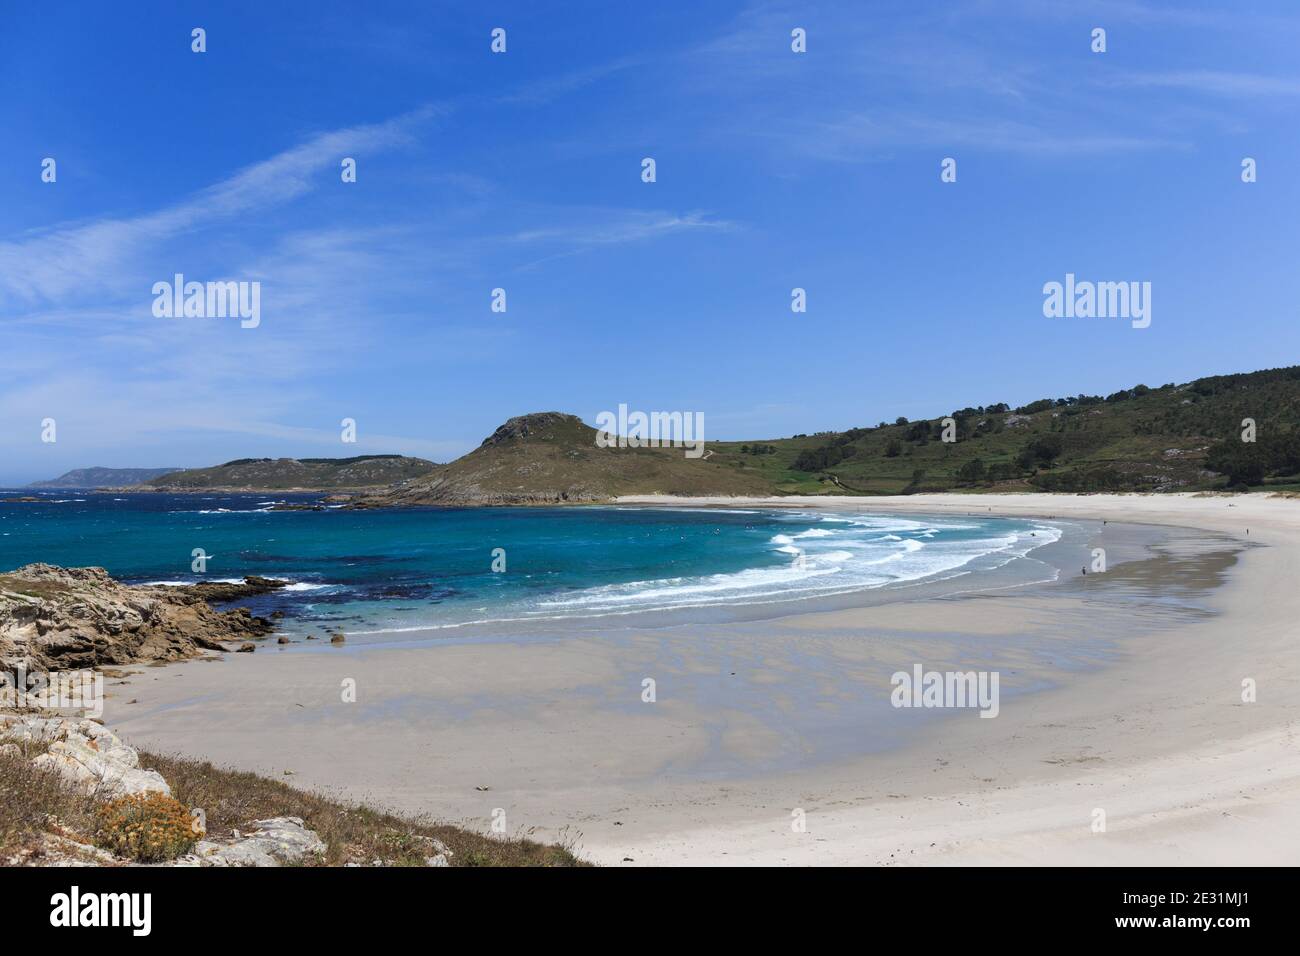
<point x="553" y="458"/>
<point x="54" y="618"/>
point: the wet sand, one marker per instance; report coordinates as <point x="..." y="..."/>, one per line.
<point x="1120" y="692"/>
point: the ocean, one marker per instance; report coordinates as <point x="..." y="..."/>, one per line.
<point x="375" y="573"/>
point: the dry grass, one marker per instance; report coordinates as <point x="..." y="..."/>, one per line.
<point x="232" y="799"/>
<point x="46" y="590"/>
<point x="30" y="748"/>
<point x="35" y="801"/>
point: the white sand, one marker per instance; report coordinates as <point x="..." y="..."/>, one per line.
<point x="1186" y="772"/>
<point x="1160" y="740"/>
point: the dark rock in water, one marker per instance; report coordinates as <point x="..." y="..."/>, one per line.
<point x="338" y="638"/>
<point x="245" y="648"/>
<point x="221" y="591"/>
<point x="283" y="640"/>
<point x="401" y="592"/>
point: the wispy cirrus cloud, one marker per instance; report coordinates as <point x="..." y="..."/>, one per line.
<point x="49" y="263"/>
<point x="933" y="79"/>
<point x="863" y="137"/>
<point x="612" y="228"/>
<point x="616" y="227"/>
<point x="1213" y="82"/>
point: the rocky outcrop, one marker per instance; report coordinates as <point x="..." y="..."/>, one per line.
<point x="54" y="618"/>
<point x="279" y="841"/>
<point x="84" y="753"/>
<point x="538" y="425"/>
<point x="222" y="591"/>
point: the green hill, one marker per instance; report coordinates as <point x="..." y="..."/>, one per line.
<point x="548" y="457"/>
<point x="295" y="474"/>
<point x="1167" y="438"/>
<point x="1170" y="438"/>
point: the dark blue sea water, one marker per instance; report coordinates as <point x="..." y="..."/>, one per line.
<point x="389" y="571"/>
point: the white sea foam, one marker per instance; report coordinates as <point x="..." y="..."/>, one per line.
<point x="836" y="557"/>
<point x="860" y="558"/>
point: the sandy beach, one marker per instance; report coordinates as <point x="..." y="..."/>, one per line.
<point x="1122" y="693"/>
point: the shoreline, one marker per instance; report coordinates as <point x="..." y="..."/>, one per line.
<point x="1157" y="733"/>
<point x="1191" y="775"/>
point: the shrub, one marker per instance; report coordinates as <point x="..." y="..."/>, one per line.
<point x="1042" y="405"/>
<point x="147" y="827"/>
<point x="1040" y="452"/>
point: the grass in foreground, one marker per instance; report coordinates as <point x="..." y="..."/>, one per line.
<point x="232" y="799"/>
<point x="34" y="803"/>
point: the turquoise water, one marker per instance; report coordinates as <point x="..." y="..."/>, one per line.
<point x="390" y="571"/>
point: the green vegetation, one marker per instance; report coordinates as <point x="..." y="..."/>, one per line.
<point x="1174" y="437"/>
<point x="551" y="458"/>
<point x="286" y="474"/>
<point x="1166" y="438"/>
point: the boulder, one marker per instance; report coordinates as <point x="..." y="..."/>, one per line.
<point x="85" y="753"/>
<point x="279" y="841"/>
<point x="105" y="774"/>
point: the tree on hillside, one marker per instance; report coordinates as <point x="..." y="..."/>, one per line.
<point x="1041" y="452"/>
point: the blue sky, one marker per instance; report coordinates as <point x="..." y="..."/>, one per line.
<point x="522" y="171"/>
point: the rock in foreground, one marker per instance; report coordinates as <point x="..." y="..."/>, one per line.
<point x="85" y="754"/>
<point x="54" y="618"/>
<point x="279" y="841"/>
